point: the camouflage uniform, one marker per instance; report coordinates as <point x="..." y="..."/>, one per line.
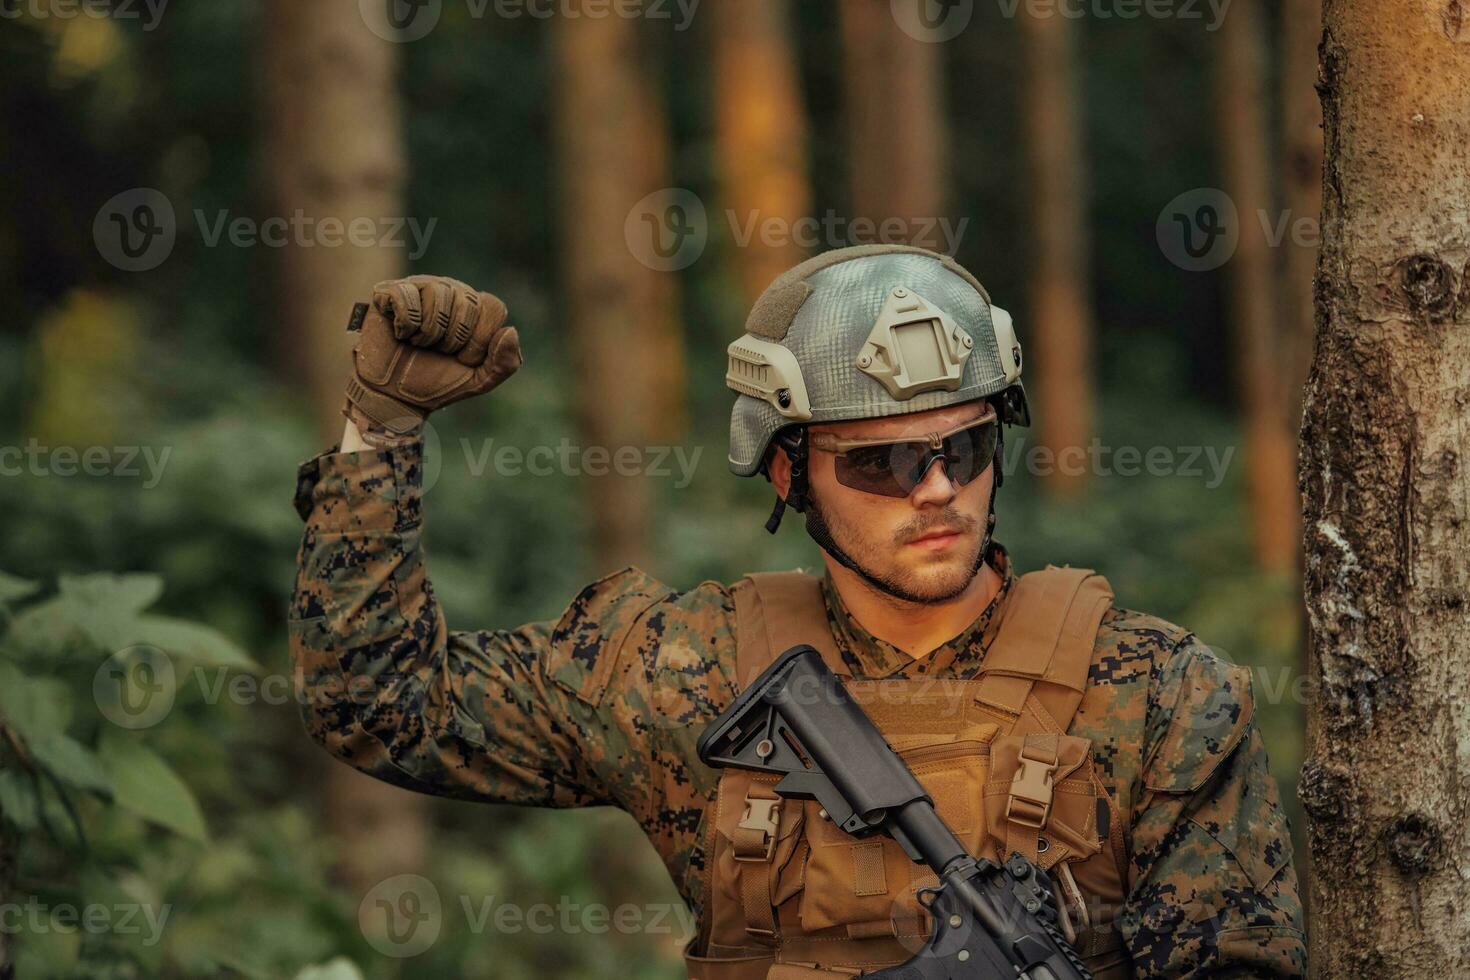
<point x="603" y="705"/>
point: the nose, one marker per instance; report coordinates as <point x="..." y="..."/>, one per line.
<point x="935" y="486"/>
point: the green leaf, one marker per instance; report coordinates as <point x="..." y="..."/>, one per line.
<point x="340" y="968"/>
<point x="100" y="611"/>
<point x="192" y="641"/>
<point x="33" y="707"/>
<point x="71" y="762"/>
<point x="18" y="802"/>
<point x="12" y="588"/>
<point x="130" y="593"/>
<point x="143" y="783"/>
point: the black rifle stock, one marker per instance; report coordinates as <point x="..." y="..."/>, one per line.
<point x="989" y="920"/>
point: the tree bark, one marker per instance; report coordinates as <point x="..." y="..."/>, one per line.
<point x="1386" y="471"/>
<point x="760" y="136"/>
<point x="627" y="359"/>
<point x="1061" y="311"/>
<point x="329" y="107"/>
<point x="1261" y="359"/>
<point x="1301" y="29"/>
<point x="895" y="121"/>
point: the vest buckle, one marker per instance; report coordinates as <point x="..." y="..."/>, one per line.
<point x="756" y="839"/>
<point x="1031" y="788"/>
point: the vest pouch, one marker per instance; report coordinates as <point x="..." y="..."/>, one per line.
<point x="753" y="863"/>
<point x="868" y="884"/>
<point x="1042" y="798"/>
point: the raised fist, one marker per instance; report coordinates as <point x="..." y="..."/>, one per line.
<point x="426" y="342"/>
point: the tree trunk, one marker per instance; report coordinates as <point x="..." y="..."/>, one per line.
<point x="618" y="320"/>
<point x="1386" y="471"/>
<point x="1061" y="311"/>
<point x="760" y="135"/>
<point x="895" y="122"/>
<point x="1270" y="448"/>
<point x="1302" y="169"/>
<point x="334" y="150"/>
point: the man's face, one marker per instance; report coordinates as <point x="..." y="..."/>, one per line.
<point x="926" y="545"/>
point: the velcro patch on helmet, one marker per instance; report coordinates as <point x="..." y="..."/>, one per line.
<point x="772" y="314"/>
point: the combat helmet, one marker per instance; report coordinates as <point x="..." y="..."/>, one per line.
<point x="858" y="333"/>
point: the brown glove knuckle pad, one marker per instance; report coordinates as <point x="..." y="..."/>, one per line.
<point x="462" y="324"/>
<point x="432" y="383"/>
<point x="438" y="309"/>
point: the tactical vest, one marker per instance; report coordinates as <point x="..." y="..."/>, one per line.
<point x="790" y="896"/>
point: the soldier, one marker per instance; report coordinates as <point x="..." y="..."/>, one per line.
<point x="1112" y="748"/>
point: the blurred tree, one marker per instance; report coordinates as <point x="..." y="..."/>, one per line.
<point x="1302" y="172"/>
<point x="1060" y="322"/>
<point x="897" y="139"/>
<point x="1263" y="363"/>
<point x="668" y="419"/>
<point x="619" y="222"/>
<point x="1386" y="469"/>
<point x="760" y="132"/>
<point x="331" y="125"/>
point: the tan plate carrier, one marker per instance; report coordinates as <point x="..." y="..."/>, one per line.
<point x="791" y="896"/>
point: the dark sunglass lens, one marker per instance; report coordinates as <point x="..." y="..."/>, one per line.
<point x="870" y="469"/>
<point x="968" y="453"/>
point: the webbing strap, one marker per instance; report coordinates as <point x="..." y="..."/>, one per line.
<point x="774" y="612"/>
<point x="1044" y="645"/>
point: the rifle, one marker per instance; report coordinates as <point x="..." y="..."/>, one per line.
<point x="989" y="920"/>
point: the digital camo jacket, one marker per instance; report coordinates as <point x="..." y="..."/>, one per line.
<point x="604" y="704"/>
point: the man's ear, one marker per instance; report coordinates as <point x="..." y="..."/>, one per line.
<point x="779" y="466"/>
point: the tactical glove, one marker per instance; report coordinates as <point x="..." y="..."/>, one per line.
<point x="426" y="342"/>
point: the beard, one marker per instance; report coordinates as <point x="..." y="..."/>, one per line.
<point x="875" y="561"/>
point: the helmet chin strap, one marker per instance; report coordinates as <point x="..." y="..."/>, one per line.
<point x="799" y="498"/>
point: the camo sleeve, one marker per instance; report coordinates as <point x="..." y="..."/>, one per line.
<point x="1213" y="891"/>
<point x="524" y="715"/>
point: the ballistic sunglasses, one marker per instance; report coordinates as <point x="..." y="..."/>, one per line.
<point x="893" y="467"/>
